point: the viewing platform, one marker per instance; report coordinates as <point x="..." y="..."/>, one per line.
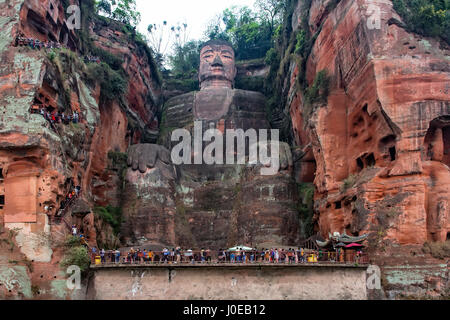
<point x="228" y="265"/>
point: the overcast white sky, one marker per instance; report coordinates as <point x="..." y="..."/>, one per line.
<point x="196" y="13"/>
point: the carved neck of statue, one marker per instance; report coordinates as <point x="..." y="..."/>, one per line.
<point x="217" y="67"/>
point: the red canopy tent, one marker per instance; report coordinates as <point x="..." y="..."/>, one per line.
<point x="354" y="245"/>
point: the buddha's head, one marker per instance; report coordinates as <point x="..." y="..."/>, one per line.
<point x="217" y="65"/>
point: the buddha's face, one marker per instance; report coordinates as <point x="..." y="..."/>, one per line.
<point x="217" y="66"/>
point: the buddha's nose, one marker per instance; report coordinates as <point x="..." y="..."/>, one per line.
<point x="217" y="62"/>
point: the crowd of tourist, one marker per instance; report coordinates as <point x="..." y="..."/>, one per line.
<point x="36" y="43"/>
<point x="56" y="117"/>
<point x="239" y="256"/>
<point x="69" y="199"/>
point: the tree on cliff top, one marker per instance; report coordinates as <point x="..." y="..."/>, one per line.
<point x="163" y="36"/>
<point x="427" y="17"/>
<point x="250" y="31"/>
<point x="121" y="10"/>
<point x="270" y="10"/>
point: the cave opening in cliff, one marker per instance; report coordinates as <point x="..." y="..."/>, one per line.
<point x="437" y="141"/>
<point x="448" y="236"/>
<point x="2" y="201"/>
<point x="338" y="205"/>
<point x="360" y="163"/>
<point x="1" y="175"/>
<point x="393" y="153"/>
<point x="370" y="160"/>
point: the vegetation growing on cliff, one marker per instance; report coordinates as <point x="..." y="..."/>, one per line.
<point x="426" y="17"/>
<point x="110" y="215"/>
<point x="316" y="93"/>
<point x="120" y="10"/>
<point x="75" y="254"/>
<point x="184" y="63"/>
<point x="349" y="182"/>
<point x="289" y="46"/>
<point x="112" y="83"/>
<point x="306" y="209"/>
<point x="110" y="73"/>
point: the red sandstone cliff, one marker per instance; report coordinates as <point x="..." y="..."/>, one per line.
<point x="379" y="145"/>
<point x="41" y="163"/>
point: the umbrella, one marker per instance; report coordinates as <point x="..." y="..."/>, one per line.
<point x="354" y="245"/>
<point x="241" y="248"/>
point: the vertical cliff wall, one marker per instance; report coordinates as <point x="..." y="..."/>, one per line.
<point x="41" y="162"/>
<point x="369" y="103"/>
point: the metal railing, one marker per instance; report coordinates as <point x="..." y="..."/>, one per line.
<point x="257" y="257"/>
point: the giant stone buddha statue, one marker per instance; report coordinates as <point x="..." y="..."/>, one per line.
<point x="211" y="206"/>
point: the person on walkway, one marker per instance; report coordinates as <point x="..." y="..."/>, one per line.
<point x="276" y="255"/>
<point x="302" y="255"/>
<point x="145" y="253"/>
<point x="140" y="256"/>
<point x="94" y="253"/>
<point x="221" y="256"/>
<point x="102" y="256"/>
<point x="151" y="256"/>
<point x="74" y="230"/>
<point x="202" y="256"/>
<point x="178" y="254"/>
<point x="166" y="255"/>
<point x="117" y="253"/>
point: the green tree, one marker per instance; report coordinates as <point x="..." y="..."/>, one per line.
<point x="270" y="10"/>
<point x="121" y="10"/>
<point x="163" y="36"/>
<point x="185" y="60"/>
<point x="248" y="31"/>
<point x="104" y="6"/>
<point x="427" y="17"/>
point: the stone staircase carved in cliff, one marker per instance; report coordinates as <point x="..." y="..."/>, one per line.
<point x="61" y="215"/>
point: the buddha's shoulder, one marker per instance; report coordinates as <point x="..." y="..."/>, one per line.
<point x="240" y="94"/>
<point x="185" y="98"/>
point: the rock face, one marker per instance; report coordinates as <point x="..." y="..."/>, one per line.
<point x="40" y="163"/>
<point x="379" y="144"/>
<point x="384" y="126"/>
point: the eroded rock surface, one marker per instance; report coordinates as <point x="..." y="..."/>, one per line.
<point x="380" y="143"/>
